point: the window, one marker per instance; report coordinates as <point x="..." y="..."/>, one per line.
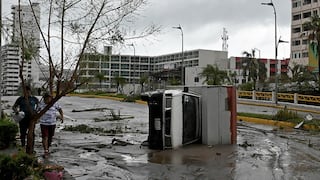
<point x="296" y="17"/>
<point x="296" y="4"/>
<point x="296" y="42"/>
<point x="315" y="12"/>
<point x="306" y="14"/>
<point x="305" y="2"/>
<point x="305" y="54"/>
<point x="296" y="30"/>
<point x="114" y="66"/>
<point x="196" y="79"/>
<point x="305" y="41"/>
<point x="296" y="55"/>
<point x="144" y="60"/>
<point x="124" y="66"/>
<point x="124" y="59"/>
<point x="115" y="58"/>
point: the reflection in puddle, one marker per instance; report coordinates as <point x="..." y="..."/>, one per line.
<point x="130" y="159"/>
<point x="192" y="154"/>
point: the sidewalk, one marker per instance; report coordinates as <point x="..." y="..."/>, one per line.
<point x="281" y="105"/>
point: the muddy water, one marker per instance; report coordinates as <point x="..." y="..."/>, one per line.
<point x="261" y="152"/>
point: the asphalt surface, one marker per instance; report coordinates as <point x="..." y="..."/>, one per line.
<point x="262" y="152"/>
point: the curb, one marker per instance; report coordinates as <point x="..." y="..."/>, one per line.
<point x="106" y="97"/>
<point x="265" y="121"/>
<point x="276" y="123"/>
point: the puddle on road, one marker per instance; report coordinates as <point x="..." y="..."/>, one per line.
<point x="192" y="154"/>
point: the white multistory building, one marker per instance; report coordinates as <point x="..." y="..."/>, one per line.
<point x="302" y="11"/>
<point x="159" y="69"/>
<point x="11" y="52"/>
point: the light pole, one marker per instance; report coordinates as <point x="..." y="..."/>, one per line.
<point x="278" y="68"/>
<point x="134" y="71"/>
<point x="258" y="61"/>
<point x="182" y="54"/>
<point x="275" y="46"/>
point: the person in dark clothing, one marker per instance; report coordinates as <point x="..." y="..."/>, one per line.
<point x="39" y="91"/>
<point x="28" y="105"/>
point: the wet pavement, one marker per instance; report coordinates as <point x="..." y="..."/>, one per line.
<point x="262" y="152"/>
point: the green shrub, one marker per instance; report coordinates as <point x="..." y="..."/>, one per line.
<point x="287" y="115"/>
<point x="19" y="166"/>
<point x="8" y="131"/>
<point x="261" y="116"/>
<point x="129" y="99"/>
<point x="246" y="86"/>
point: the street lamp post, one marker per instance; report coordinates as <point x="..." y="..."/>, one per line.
<point x="278" y="73"/>
<point x="134" y="71"/>
<point x="258" y="61"/>
<point x="182" y="54"/>
<point x="275" y="46"/>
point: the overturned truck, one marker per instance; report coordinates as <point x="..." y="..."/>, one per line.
<point x="178" y="117"/>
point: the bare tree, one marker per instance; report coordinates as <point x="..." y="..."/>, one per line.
<point x="68" y="28"/>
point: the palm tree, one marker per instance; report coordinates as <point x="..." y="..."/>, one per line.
<point x="314" y="37"/>
<point x="212" y="75"/>
<point x="262" y="73"/>
<point x="301" y="75"/>
<point x="100" y="76"/>
<point x="250" y="65"/>
<point x="120" y="81"/>
<point x="143" y="79"/>
<point x="231" y="77"/>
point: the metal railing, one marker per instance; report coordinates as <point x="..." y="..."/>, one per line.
<point x="282" y="97"/>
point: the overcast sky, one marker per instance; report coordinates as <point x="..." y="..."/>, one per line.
<point x="249" y="25"/>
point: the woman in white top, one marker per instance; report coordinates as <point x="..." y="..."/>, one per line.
<point x="48" y="121"/>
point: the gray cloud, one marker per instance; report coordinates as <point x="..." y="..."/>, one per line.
<point x="203" y="20"/>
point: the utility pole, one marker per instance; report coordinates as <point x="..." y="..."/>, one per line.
<point x="275" y="46"/>
<point x="134" y="67"/>
<point x="182" y="54"/>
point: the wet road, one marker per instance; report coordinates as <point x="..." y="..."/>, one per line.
<point x="262" y="152"/>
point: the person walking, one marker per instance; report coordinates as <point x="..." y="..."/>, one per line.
<point x="27" y="104"/>
<point x="48" y="121"/>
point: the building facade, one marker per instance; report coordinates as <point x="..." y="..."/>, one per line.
<point x="11" y="53"/>
<point x="11" y="65"/>
<point x="236" y="64"/>
<point x="302" y="11"/>
<point x="159" y="69"/>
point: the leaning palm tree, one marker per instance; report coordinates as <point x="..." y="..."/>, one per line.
<point x="314" y="37"/>
<point x="120" y="81"/>
<point x="100" y="77"/>
<point x="143" y="80"/>
<point x="213" y="75"/>
<point x="250" y="67"/>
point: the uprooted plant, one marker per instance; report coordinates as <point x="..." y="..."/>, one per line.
<point x="112" y="116"/>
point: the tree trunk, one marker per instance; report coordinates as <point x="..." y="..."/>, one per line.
<point x="30" y="137"/>
<point x="318" y="54"/>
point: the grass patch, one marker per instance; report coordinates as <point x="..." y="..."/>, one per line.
<point x="283" y="115"/>
<point x="261" y="116"/>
